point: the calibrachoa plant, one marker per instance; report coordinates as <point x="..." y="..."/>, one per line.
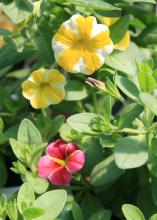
<point x="78" y="110"/>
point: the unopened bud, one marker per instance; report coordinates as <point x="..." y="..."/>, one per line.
<point x="96" y="83"/>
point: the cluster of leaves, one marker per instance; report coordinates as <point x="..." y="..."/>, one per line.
<point x="117" y="127"/>
<point x="27" y="207"/>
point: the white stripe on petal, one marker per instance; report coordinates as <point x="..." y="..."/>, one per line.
<point x="58" y="48"/>
<point x="71" y="24"/>
<point x="98" y="28"/>
<point x="81" y="67"/>
<point x="105" y="51"/>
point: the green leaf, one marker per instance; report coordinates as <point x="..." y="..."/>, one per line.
<point x="56" y="124"/>
<point x="82" y="122"/>
<point x="148" y="36"/>
<point x="75" y="90"/>
<point x="97" y="4"/>
<point x="18" y="74"/>
<point x="1" y="125"/>
<point x="118" y="29"/>
<point x="25" y="197"/>
<point x="66" y="132"/>
<point x="130" y="111"/>
<point x="94" y="153"/>
<point x="17" y="148"/>
<point x="103" y="214"/>
<point x="153" y="217"/>
<point x="128" y="87"/>
<point x="24" y="5"/>
<point x="11" y="210"/>
<point x="33" y="212"/>
<point x="105" y="172"/>
<point x="52" y="202"/>
<point x="130" y="152"/>
<point x="154" y="189"/>
<point x="28" y="133"/>
<point x="66" y="213"/>
<point x="147" y="82"/>
<point x="143" y="1"/>
<point x="76" y="211"/>
<point x="38" y="184"/>
<point x="153" y="147"/>
<point x="149" y="101"/>
<point x="131" y="212"/>
<point x="16" y="14"/>
<point x="125" y="61"/>
<point x="90" y="204"/>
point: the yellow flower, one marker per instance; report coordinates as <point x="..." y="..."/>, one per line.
<point x="5" y="24"/>
<point x="125" y="41"/>
<point x="81" y="45"/>
<point x="44" y="87"/>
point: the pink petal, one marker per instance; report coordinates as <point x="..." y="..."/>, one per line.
<point x="71" y="147"/>
<point x="76" y="161"/>
<point x="60" y="177"/>
<point x="57" y="149"/>
<point x="46" y="166"/>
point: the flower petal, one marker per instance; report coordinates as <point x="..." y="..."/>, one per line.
<point x="76" y="161"/>
<point x="110" y="21"/>
<point x="102" y="39"/>
<point x="39" y="99"/>
<point x="71" y="147"/>
<point x="69" y="58"/>
<point x="56" y="78"/>
<point x="60" y="177"/>
<point x="57" y="149"/>
<point x="39" y="76"/>
<point x="54" y="95"/>
<point x="92" y="61"/>
<point x="64" y="36"/>
<point x="85" y="25"/>
<point x="29" y="89"/>
<point x="46" y="166"/>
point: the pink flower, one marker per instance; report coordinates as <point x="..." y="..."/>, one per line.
<point x="60" y="162"/>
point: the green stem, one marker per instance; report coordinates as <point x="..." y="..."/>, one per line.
<point x="80" y="105"/>
<point x="95" y="102"/>
<point x="132" y="131"/>
<point x="44" y="112"/>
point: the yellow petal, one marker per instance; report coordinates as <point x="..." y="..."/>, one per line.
<point x="85" y="26"/>
<point x="124" y="43"/>
<point x="29" y="89"/>
<point x="109" y="21"/>
<point x="65" y="36"/>
<point x="92" y="61"/>
<point x="54" y="95"/>
<point x="56" y="78"/>
<point x="101" y="40"/>
<point x="69" y="58"/>
<point x="39" y="100"/>
<point x="39" y="76"/>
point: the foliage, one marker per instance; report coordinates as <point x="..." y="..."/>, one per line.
<point x="114" y="121"/>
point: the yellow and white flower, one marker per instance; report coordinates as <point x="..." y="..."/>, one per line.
<point x="81" y="45"/>
<point x="5" y="23"/>
<point x="44" y="87"/>
<point x="125" y="41"/>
